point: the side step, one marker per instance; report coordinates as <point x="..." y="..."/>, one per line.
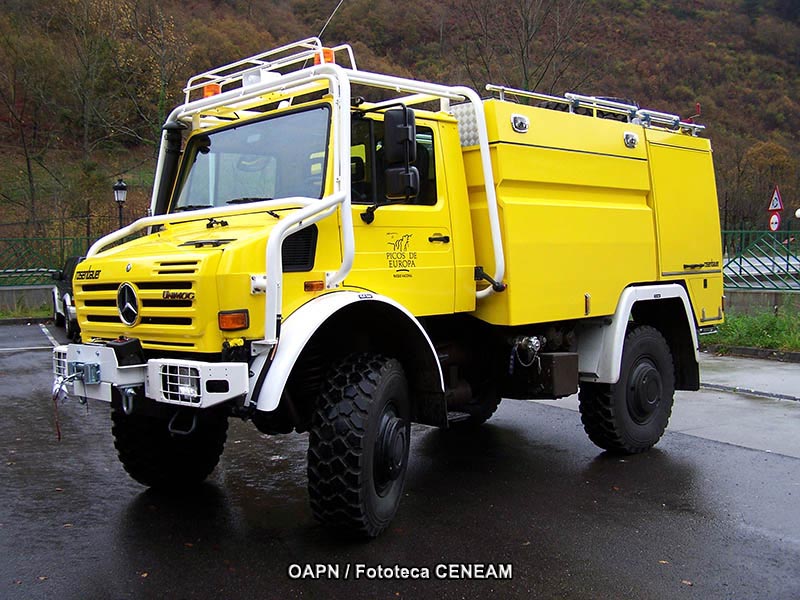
<point x="454" y="416"/>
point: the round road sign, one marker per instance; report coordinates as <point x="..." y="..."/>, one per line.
<point x="774" y="221"/>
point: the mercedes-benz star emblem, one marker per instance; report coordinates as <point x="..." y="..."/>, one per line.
<point x="127" y="304"/>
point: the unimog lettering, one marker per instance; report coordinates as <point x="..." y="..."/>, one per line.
<point x="166" y="295"/>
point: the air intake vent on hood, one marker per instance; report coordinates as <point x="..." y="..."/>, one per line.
<point x="299" y="250"/>
<point x="207" y="243"/>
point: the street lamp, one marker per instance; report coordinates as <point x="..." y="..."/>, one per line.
<point x="120" y="193"/>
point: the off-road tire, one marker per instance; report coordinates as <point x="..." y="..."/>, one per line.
<point x="358" y="444"/>
<point x="630" y="416"/>
<point x="159" y="459"/>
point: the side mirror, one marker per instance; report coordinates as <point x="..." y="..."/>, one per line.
<point x="57" y="276"/>
<point x="400" y="150"/>
<point x="402" y="183"/>
<point x="400" y="136"/>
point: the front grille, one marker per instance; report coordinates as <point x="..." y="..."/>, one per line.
<point x="181" y="321"/>
<point x="180" y="384"/>
<point x="100" y="287"/>
<point x="162" y="285"/>
<point x="165" y="303"/>
<point x="167" y="306"/>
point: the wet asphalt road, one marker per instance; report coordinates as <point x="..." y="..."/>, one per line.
<point x="691" y="519"/>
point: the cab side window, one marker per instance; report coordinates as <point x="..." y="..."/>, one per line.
<point x="367" y="167"/>
<point x="426" y="165"/>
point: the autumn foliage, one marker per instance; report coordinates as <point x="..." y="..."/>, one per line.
<point x="85" y="84"/>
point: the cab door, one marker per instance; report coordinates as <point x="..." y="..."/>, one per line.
<point x="406" y="252"/>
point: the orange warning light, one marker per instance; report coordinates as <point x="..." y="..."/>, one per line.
<point x="313" y="286"/>
<point x="233" y="320"/>
<point x="326" y="56"/>
<point x="211" y="89"/>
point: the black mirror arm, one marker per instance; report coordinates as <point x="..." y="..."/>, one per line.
<point x="368" y="216"/>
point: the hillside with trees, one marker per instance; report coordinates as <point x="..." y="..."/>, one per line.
<point x="85" y="84"/>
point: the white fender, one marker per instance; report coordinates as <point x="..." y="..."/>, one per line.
<point x="600" y="344"/>
<point x="298" y="329"/>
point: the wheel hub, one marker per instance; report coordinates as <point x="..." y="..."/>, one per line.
<point x="390" y="450"/>
<point x="645" y="390"/>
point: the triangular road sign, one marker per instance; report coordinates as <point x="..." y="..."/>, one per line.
<point x="776" y="203"/>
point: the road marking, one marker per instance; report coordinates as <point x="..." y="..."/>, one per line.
<point x="26" y="349"/>
<point x="48" y="334"/>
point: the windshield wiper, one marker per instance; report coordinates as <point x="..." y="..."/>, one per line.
<point x="247" y="200"/>
<point x="192" y="207"/>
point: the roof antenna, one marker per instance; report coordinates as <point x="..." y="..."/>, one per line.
<point x="321" y="31"/>
<point x="324" y="27"/>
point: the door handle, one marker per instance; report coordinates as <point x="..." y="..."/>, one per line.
<point x="445" y="239"/>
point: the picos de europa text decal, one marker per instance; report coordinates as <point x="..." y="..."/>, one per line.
<point x="400" y="257"/>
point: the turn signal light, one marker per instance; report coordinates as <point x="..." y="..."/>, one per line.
<point x="313" y="286"/>
<point x="211" y="89"/>
<point x="233" y="320"/>
<point x="326" y="56"/>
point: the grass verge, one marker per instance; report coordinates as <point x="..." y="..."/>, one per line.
<point x="24" y="312"/>
<point x="763" y="330"/>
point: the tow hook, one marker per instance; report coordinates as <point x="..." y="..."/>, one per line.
<point x="128" y="394"/>
<point x="175" y="430"/>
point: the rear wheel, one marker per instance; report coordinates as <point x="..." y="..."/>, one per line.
<point x="631" y="415"/>
<point x="359" y="444"/>
<point x="157" y="458"/>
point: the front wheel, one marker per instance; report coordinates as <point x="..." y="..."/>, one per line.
<point x="631" y="415"/>
<point x="359" y="444"/>
<point x="157" y="458"/>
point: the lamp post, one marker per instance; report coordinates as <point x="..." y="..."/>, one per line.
<point x="120" y="193"/>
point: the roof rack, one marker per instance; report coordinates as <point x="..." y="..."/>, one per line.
<point x="633" y="114"/>
<point x="266" y="65"/>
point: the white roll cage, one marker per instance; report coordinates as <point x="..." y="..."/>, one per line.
<point x="257" y="77"/>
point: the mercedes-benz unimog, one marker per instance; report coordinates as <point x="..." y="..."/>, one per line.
<point x="345" y="253"/>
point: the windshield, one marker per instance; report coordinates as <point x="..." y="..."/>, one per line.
<point x="278" y="157"/>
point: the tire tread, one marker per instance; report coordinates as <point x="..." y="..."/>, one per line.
<point x="336" y="453"/>
<point x="155" y="458"/>
<point x="599" y="414"/>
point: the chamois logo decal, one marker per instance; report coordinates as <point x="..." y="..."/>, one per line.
<point x="400" y="244"/>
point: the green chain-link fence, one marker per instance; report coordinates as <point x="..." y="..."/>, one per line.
<point x="31" y="261"/>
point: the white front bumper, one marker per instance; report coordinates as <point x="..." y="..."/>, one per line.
<point x="92" y="372"/>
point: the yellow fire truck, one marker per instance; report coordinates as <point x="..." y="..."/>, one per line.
<point x="344" y="253"/>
